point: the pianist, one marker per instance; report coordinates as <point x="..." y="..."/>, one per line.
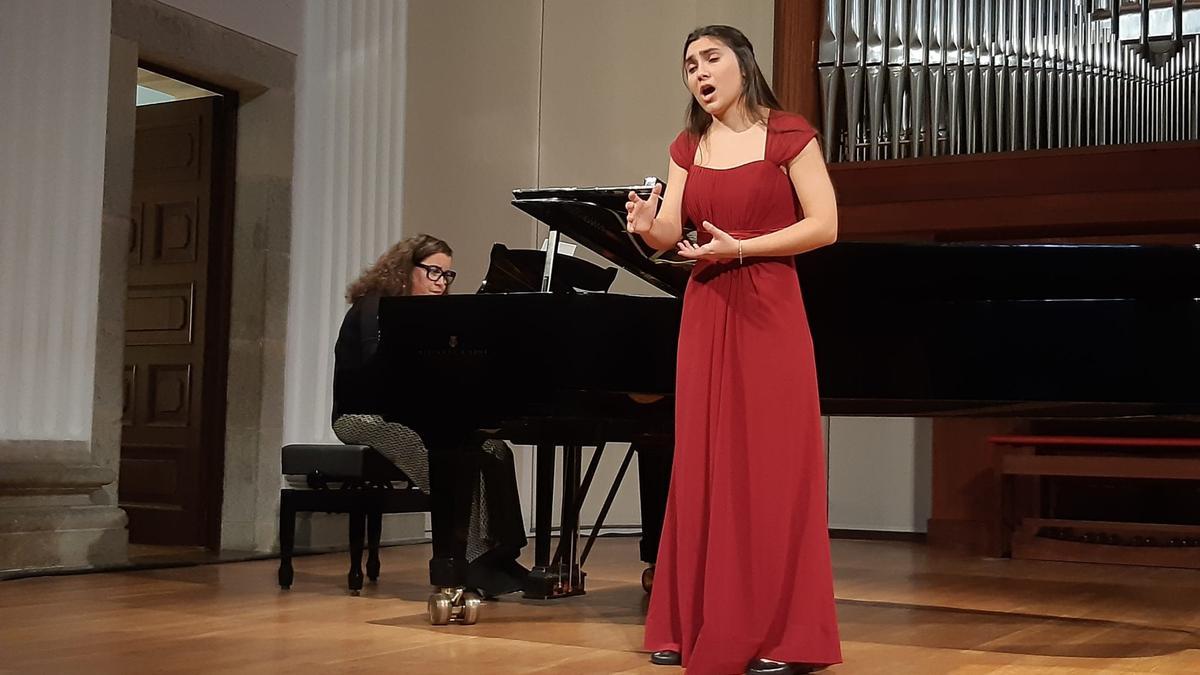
<point x="421" y="265"/>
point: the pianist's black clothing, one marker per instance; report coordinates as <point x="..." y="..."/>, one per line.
<point x="497" y="532"/>
<point x="354" y="391"/>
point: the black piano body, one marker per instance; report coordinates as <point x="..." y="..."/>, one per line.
<point x="899" y="330"/>
<point x="540" y="369"/>
<point x="1005" y="329"/>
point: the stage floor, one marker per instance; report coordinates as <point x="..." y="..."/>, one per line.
<point x="902" y="609"/>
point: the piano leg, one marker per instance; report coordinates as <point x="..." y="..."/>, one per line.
<point x="453" y="474"/>
<point x="560" y="576"/>
<point x="544" y="507"/>
<point x="654" y="478"/>
<point x="568" y="532"/>
<point x="355" y="577"/>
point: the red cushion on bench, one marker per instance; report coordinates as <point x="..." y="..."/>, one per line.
<point x="1110" y="441"/>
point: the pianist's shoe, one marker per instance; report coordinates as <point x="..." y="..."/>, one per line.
<point x="495" y="574"/>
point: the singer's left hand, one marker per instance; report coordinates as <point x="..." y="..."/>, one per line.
<point x="722" y="247"/>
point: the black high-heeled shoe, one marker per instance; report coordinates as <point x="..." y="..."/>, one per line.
<point x="666" y="657"/>
<point x="765" y="667"/>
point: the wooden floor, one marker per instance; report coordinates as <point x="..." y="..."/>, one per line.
<point x="902" y="608"/>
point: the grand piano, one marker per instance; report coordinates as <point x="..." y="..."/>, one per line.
<point x="1057" y="331"/>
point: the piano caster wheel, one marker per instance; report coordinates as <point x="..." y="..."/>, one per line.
<point x="454" y="605"/>
<point x="648" y="578"/>
<point x="355" y="592"/>
<point x="441" y="607"/>
<point x="470" y="609"/>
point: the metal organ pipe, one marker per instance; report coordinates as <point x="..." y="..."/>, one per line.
<point x="915" y="78"/>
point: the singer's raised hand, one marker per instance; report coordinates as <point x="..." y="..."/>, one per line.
<point x="639" y="213"/>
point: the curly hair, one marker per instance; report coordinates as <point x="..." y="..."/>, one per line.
<point x="392" y="273"/>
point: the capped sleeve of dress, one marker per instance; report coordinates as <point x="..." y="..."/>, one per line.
<point x="683" y="149"/>
<point x="790" y="133"/>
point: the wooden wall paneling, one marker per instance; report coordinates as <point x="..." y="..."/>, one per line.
<point x="797" y="29"/>
<point x="966" y="498"/>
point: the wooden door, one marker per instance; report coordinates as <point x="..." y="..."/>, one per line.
<point x="165" y="479"/>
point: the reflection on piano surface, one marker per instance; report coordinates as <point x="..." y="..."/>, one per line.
<point x="899" y="329"/>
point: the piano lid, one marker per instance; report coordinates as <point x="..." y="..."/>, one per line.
<point x="595" y="217"/>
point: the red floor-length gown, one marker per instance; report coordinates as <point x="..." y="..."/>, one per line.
<point x="743" y="569"/>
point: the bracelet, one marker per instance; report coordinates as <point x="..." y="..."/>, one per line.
<point x="739" y="241"/>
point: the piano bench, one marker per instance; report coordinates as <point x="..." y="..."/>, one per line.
<point x="351" y="479"/>
<point x="1026" y="459"/>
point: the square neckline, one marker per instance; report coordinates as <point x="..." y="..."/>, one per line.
<point x="766" y="143"/>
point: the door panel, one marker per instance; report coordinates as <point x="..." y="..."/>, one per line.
<point x="163" y="481"/>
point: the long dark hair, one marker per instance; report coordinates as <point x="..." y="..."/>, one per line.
<point x="756" y="93"/>
<point x="392" y="273"/>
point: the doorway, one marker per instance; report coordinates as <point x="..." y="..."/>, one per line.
<point x="177" y="311"/>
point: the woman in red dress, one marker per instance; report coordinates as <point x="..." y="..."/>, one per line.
<point x="743" y="581"/>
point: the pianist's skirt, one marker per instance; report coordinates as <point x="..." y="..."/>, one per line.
<point x="744" y="565"/>
<point x="496" y="529"/>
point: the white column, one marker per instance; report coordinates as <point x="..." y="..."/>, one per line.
<point x="53" y="117"/>
<point x="52" y="127"/>
<point x="347" y="185"/>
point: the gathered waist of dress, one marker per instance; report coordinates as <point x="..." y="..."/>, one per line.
<point x="704" y="237"/>
<point x="749" y="234"/>
<point x="706" y="268"/>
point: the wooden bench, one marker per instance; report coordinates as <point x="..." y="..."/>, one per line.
<point x="1094" y="541"/>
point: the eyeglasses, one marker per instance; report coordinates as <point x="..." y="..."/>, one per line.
<point x="433" y="272"/>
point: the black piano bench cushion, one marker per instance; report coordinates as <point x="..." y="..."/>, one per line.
<point x="339" y="461"/>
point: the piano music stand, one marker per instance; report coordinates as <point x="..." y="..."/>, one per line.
<point x="595" y="217"/>
<point x="524" y="271"/>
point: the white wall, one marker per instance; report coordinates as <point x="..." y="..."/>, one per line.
<point x="472" y="127"/>
<point x="879" y="473"/>
<point x="276" y="22"/>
